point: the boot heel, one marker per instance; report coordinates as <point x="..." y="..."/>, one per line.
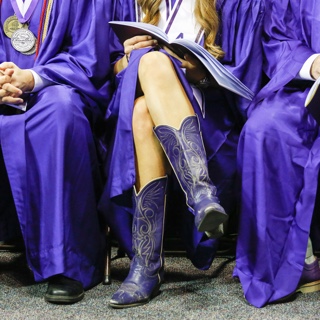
<point x="209" y="216"/>
<point x="212" y="220"/>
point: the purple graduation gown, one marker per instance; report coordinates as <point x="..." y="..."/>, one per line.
<point x="220" y="127"/>
<point x="48" y="164"/>
<point x="279" y="156"/>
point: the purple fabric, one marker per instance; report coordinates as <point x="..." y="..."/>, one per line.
<point x="49" y="151"/>
<point x="27" y="14"/>
<point x="220" y="129"/>
<point x="279" y="157"/>
<point x="240" y="38"/>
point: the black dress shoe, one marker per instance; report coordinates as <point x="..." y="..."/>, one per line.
<point x="62" y="290"/>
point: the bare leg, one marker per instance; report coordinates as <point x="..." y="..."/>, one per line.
<point x="146" y="269"/>
<point x="164" y="101"/>
<point x="165" y="96"/>
<point x="167" y="108"/>
<point x="151" y="161"/>
<point x="178" y="130"/>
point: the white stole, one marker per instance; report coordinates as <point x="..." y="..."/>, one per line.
<point x="177" y="21"/>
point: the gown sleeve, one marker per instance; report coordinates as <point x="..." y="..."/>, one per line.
<point x="283" y="42"/>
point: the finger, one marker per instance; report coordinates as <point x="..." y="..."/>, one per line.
<point x="191" y="59"/>
<point x="12" y="100"/>
<point x="7" y="65"/>
<point x="171" y="52"/>
<point x="146" y="44"/>
<point x="140" y="45"/>
<point x="11" y="89"/>
<point x="5" y="79"/>
<point x="136" y="39"/>
<point x="9" y="72"/>
<point x="5" y="93"/>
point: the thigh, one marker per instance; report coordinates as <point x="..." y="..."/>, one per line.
<point x="57" y="102"/>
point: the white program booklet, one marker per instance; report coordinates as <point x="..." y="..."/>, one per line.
<point x="126" y="29"/>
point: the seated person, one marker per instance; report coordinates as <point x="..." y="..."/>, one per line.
<point x="279" y="156"/>
<point x="49" y="171"/>
<point x="162" y="124"/>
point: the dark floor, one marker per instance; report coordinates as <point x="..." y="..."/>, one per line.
<point x="188" y="293"/>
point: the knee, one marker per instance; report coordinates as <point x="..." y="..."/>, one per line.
<point x="262" y="122"/>
<point x="142" y="123"/>
<point x="155" y="64"/>
<point x="63" y="104"/>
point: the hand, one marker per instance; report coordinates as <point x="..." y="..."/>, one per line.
<point x="20" y="78"/>
<point x="138" y="42"/>
<point x="5" y="76"/>
<point x="315" y="68"/>
<point x="8" y="92"/>
<point x="195" y="71"/>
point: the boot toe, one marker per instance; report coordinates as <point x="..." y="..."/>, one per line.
<point x="128" y="296"/>
<point x="131" y="294"/>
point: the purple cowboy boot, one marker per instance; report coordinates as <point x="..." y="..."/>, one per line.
<point x="146" y="268"/>
<point x="186" y="154"/>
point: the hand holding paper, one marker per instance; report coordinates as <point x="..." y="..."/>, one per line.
<point x="195" y="71"/>
<point x="125" y="30"/>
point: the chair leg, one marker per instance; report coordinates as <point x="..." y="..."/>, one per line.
<point x="107" y="265"/>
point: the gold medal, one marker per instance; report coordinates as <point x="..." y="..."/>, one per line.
<point x="11" y="25"/>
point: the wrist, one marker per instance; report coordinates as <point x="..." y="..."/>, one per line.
<point x="29" y="81"/>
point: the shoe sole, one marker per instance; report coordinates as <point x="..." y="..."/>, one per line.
<point x="63" y="299"/>
<point x="123" y="306"/>
<point x="135" y="304"/>
<point x="212" y="219"/>
<point x="309" y="287"/>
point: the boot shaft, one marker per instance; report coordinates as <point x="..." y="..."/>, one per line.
<point x="148" y="225"/>
<point x="186" y="154"/>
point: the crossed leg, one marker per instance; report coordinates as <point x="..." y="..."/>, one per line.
<point x="163" y="101"/>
